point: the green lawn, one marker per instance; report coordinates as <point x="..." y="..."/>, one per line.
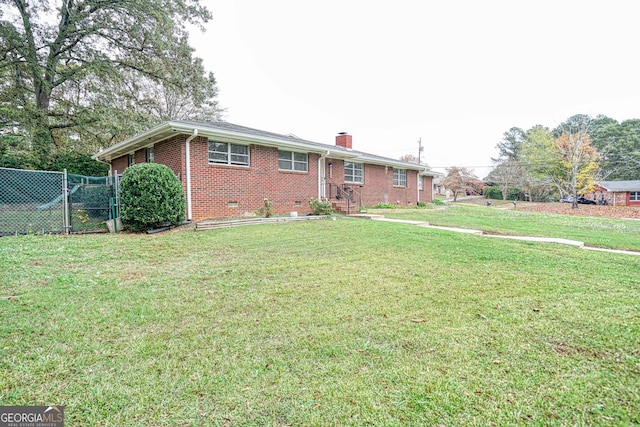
<point x="335" y="323"/>
<point x="30" y="221"/>
<point x="600" y="232"/>
<point x="24" y="220"/>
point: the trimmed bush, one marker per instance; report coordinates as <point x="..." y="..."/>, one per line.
<point x="495" y="192"/>
<point x="320" y="207"/>
<point x="150" y="196"/>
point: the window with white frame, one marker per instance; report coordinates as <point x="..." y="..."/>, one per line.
<point x="399" y="177"/>
<point x="634" y="196"/>
<point x="420" y="183"/>
<point x="224" y="153"/>
<point x="293" y="161"/>
<point x="131" y="159"/>
<point x="150" y="155"/>
<point x="353" y="172"/>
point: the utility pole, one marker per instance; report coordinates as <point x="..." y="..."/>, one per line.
<point x="420" y="148"/>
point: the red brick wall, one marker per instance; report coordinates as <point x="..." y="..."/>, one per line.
<point x="611" y="198"/>
<point x="140" y="156"/>
<point x="233" y="191"/>
<point x="426" y="194"/>
<point x="120" y="164"/>
<point x="171" y="152"/>
<point x="378" y="184"/>
<point x="625" y="198"/>
<point x="216" y="189"/>
<point x="619" y="199"/>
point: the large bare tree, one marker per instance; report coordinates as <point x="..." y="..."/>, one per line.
<point x="78" y="74"/>
<point x="508" y="174"/>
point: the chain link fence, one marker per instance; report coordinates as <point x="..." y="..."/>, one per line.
<point x="34" y="202"/>
<point x="92" y="202"/>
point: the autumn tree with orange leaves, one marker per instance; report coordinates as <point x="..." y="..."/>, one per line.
<point x="461" y="180"/>
<point x="577" y="164"/>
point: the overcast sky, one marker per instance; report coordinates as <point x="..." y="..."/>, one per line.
<point x="456" y="74"/>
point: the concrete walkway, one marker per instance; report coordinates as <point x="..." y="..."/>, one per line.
<point x="425" y="224"/>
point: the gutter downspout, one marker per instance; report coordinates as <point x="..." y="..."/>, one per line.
<point x="103" y="162"/>
<point x="187" y="151"/>
<point x="321" y="175"/>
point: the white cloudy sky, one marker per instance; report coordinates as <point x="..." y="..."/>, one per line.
<point x="456" y="74"/>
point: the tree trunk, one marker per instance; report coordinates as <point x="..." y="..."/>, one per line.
<point x="42" y="142"/>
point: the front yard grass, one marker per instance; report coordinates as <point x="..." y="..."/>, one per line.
<point x="345" y="322"/>
<point x="602" y="232"/>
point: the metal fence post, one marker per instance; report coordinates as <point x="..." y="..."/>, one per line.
<point x="117" y="194"/>
<point x="66" y="218"/>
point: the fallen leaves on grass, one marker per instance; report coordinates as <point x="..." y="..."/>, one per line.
<point x="582" y="210"/>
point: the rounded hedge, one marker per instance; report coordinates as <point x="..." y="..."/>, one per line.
<point x="150" y="196"/>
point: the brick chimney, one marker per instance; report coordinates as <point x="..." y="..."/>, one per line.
<point x="343" y="139"/>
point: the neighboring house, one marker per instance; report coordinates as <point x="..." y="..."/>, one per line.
<point x="438" y="188"/>
<point x="619" y="193"/>
<point x="228" y="170"/>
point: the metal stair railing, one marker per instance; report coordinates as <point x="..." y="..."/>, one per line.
<point x="348" y="193"/>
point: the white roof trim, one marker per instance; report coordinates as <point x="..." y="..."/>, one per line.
<point x="170" y="128"/>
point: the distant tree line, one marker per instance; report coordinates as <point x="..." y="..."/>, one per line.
<point x="568" y="160"/>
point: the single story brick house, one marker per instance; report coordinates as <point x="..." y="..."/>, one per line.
<point x="228" y="170"/>
<point x="619" y="193"/>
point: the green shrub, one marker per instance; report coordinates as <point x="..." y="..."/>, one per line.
<point x="422" y="204"/>
<point x="266" y="210"/>
<point x="495" y="192"/>
<point x="77" y="163"/>
<point x="318" y="207"/>
<point x="384" y="206"/>
<point x="150" y="196"/>
<point x="492" y="192"/>
<point x="438" y="202"/>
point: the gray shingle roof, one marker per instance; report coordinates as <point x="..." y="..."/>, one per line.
<point x="226" y="129"/>
<point x="292" y="138"/>
<point x="243" y="129"/>
<point x="617" y="186"/>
